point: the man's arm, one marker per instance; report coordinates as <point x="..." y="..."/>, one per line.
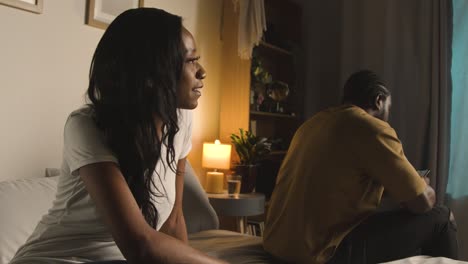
<point x="381" y="154"/>
<point x="423" y="202"/>
<point x="175" y="224"/>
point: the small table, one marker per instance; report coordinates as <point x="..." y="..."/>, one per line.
<point x="240" y="206"/>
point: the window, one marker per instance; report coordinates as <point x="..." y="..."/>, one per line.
<point x="458" y="168"/>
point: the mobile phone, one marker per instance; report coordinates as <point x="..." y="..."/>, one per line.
<point x="423" y="173"/>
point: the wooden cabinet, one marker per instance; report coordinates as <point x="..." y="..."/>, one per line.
<point x="280" y="54"/>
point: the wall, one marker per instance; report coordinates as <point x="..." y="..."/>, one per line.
<point x="44" y="73"/>
<point x="203" y="19"/>
<point x="234" y="107"/>
<point x="44" y="68"/>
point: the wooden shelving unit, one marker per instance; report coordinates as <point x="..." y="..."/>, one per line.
<point x="279" y="152"/>
<point x="276" y="48"/>
<point x="279" y="54"/>
<point x="277" y="115"/>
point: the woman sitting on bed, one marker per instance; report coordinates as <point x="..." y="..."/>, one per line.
<point x="120" y="193"/>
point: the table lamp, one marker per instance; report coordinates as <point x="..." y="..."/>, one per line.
<point x="216" y="156"/>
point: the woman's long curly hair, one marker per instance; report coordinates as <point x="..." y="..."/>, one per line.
<point x="133" y="79"/>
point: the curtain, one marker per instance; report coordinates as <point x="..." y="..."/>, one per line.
<point x="458" y="181"/>
<point x="438" y="148"/>
<point x="408" y="44"/>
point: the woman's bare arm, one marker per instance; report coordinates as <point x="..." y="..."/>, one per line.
<point x="175" y="224"/>
<point x="137" y="240"/>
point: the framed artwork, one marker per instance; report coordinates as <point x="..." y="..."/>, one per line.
<point x="100" y="13"/>
<point x="34" y="6"/>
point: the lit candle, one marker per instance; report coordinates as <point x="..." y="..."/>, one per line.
<point x="214" y="182"/>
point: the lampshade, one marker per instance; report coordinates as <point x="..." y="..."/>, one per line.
<point x="216" y="156"/>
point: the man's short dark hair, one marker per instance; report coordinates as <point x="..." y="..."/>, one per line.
<point x="363" y="87"/>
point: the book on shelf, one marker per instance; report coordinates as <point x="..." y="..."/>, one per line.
<point x="253" y="127"/>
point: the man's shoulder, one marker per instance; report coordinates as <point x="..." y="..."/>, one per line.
<point x="355" y="117"/>
<point x="348" y="119"/>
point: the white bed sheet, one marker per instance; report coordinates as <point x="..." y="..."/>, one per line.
<point x="244" y="249"/>
<point x="425" y="260"/>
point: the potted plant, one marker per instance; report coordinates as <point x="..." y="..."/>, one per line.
<point x="250" y="149"/>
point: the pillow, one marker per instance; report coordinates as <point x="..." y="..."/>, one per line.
<point x="23" y="202"/>
<point x="51" y="172"/>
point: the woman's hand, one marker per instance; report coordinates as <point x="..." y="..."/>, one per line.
<point x="427" y="180"/>
<point x="175" y="226"/>
<point x="136" y="239"/>
<point x="175" y="223"/>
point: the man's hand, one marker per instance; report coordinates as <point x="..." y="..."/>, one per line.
<point x="431" y="194"/>
<point x="423" y="202"/>
<point x="427" y="180"/>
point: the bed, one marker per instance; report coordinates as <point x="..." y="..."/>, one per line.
<point x="24" y="201"/>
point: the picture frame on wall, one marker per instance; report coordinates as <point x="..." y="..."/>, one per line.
<point x="34" y="6"/>
<point x="100" y="13"/>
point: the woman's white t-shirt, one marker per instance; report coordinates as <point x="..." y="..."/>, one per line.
<point x="73" y="231"/>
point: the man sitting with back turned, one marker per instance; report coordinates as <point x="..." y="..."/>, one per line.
<point x="324" y="206"/>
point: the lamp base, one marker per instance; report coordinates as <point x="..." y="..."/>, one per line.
<point x="214" y="182"/>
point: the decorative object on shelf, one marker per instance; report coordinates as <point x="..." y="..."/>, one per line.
<point x="216" y="156"/>
<point x="34" y="6"/>
<point x="259" y="101"/>
<point x="278" y="91"/>
<point x="251" y="149"/>
<point x="260" y="79"/>
<point x="258" y="72"/>
<point x="279" y="144"/>
<point x="100" y="13"/>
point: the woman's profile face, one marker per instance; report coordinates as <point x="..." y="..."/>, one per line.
<point x="191" y="79"/>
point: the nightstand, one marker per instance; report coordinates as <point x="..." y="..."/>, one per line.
<point x="245" y="204"/>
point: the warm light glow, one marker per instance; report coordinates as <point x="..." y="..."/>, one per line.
<point x="217" y="155"/>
